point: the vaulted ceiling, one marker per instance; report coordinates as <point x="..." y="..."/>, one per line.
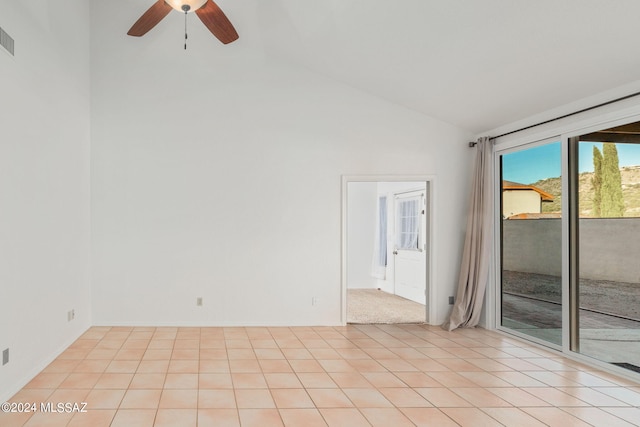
<point x="477" y="64"/>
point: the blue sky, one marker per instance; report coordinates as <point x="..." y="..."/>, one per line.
<point x="534" y="164"/>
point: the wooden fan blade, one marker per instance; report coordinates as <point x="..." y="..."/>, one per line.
<point x="150" y="18"/>
<point x="217" y="22"/>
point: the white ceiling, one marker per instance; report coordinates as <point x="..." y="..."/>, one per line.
<point x="477" y="64"/>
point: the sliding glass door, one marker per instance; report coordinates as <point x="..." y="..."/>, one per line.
<point x="531" y="243"/>
<point x="607" y="240"/>
<point x="569" y="246"/>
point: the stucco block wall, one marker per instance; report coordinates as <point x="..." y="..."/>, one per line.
<point x="608" y="248"/>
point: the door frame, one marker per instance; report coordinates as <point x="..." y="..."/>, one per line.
<point x="430" y="315"/>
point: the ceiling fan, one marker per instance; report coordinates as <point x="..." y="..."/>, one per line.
<point x="209" y="13"/>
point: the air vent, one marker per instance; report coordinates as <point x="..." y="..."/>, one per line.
<point x="6" y="41"/>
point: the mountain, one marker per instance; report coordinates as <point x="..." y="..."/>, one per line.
<point x="630" y="192"/>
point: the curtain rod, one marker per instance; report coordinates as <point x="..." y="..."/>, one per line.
<point x="473" y="144"/>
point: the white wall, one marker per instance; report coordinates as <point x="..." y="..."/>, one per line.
<point x="44" y="182"/>
<point x="216" y="173"/>
<point x="362" y="205"/>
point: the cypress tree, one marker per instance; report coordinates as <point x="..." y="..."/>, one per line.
<point x="612" y="203"/>
<point x="596" y="181"/>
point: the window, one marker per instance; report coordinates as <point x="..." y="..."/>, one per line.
<point x="408" y="223"/>
<point x="531" y="231"/>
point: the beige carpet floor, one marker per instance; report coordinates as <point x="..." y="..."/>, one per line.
<point x="373" y="306"/>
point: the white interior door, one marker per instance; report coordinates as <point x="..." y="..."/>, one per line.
<point x="410" y="255"/>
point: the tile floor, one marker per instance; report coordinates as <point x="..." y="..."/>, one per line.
<point x="364" y="375"/>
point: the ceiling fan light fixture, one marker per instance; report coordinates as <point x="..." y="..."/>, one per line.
<point x="208" y="12"/>
<point x="192" y="4"/>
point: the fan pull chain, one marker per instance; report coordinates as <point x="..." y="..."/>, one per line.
<point x="186" y="9"/>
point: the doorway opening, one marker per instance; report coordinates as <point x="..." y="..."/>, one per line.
<point x="386" y="251"/>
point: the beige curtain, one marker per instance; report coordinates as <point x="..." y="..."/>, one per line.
<point x="474" y="270"/>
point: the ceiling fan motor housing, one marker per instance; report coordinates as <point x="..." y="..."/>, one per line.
<point x="186" y="5"/>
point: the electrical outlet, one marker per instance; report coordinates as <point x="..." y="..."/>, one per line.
<point x="71" y="314"/>
<point x="199" y="301"/>
<point x="5" y="356"/>
<point x="314" y="301"/>
<point x="451" y="300"/>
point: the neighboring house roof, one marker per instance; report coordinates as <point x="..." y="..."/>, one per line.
<point x="546" y="215"/>
<point x="510" y="185"/>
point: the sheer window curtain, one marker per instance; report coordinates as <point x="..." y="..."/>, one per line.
<point x="476" y="257"/>
<point x="379" y="267"/>
<point x="408" y="224"/>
